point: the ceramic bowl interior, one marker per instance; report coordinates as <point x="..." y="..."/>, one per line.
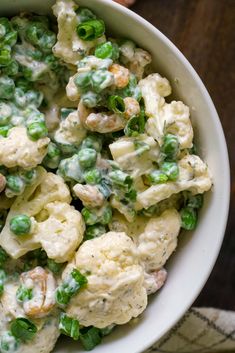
<point x="193" y="261"/>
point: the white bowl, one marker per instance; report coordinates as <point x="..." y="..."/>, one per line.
<point x="194" y="259"/>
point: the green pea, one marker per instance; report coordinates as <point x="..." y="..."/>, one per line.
<point x="85" y="14"/>
<point x="20" y="98"/>
<point x="5" y="113"/>
<point x="37" y="34"/>
<point x="34" y="97"/>
<point x="157" y="177"/>
<point x="93" y="216"/>
<point x="24" y="84"/>
<point x="29" y="176"/>
<point x="5" y="27"/>
<point x="101" y="79"/>
<point x="10" y="38"/>
<point x="54" y="266"/>
<point x="15" y="184"/>
<point x="89" y="216"/>
<point x="69" y="326"/>
<point x="53" y="62"/>
<point x="94" y="231"/>
<point x="24" y="294"/>
<point x="121" y="179"/>
<point x="23" y="329"/>
<point x="90" y="337"/>
<point x="2" y="281"/>
<point x="52" y="159"/>
<point x="91" y="29"/>
<point x="7" y="87"/>
<point x="171" y="169"/>
<point x="3" y="257"/>
<point x="71" y="286"/>
<point x="188" y="218"/>
<point x="8" y="343"/>
<point x="12" y="69"/>
<point x="170" y="147"/>
<point x="20" y="225"/>
<point x="87" y="157"/>
<point x="5" y="56"/>
<point x="92" y="176"/>
<point x="107" y="50"/>
<point x="83" y="80"/>
<point x="37" y="130"/>
<point x="69" y="169"/>
<point x="4" y="130"/>
<point x="93" y="141"/>
<point x="195" y="201"/>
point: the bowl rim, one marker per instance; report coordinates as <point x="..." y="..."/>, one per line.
<point x="224" y="151"/>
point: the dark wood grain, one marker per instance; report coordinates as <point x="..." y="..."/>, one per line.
<point x="204" y="30"/>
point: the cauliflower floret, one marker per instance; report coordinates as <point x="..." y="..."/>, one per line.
<point x="115" y="291"/>
<point x="162" y="117"/>
<point x="194" y="176"/>
<point x="159" y="240"/>
<point x="56" y="225"/>
<point x="43" y="342"/>
<point x="154" y="88"/>
<point x="175" y="119"/>
<point x="69" y="46"/>
<point x="12" y="309"/>
<point x="62" y="232"/>
<point x="136" y="59"/>
<point x="17" y="150"/>
<point x="70" y="130"/>
<point x="48" y="327"/>
<point x="135" y="155"/>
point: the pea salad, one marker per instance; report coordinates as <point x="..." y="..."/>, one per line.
<point x="99" y="175"/>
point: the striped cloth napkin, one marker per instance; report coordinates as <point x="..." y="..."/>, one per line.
<point x="201" y="330"/>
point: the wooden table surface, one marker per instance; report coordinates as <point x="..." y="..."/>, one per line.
<point x="204" y="30"/>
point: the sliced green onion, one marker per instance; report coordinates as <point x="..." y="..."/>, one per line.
<point x="121" y="179"/>
<point x="135" y="125"/>
<point x="91" y="29"/>
<point x="69" y="326"/>
<point x="116" y="104"/>
<point x="90" y="337"/>
<point x="70" y="287"/>
<point x="23" y="329"/>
